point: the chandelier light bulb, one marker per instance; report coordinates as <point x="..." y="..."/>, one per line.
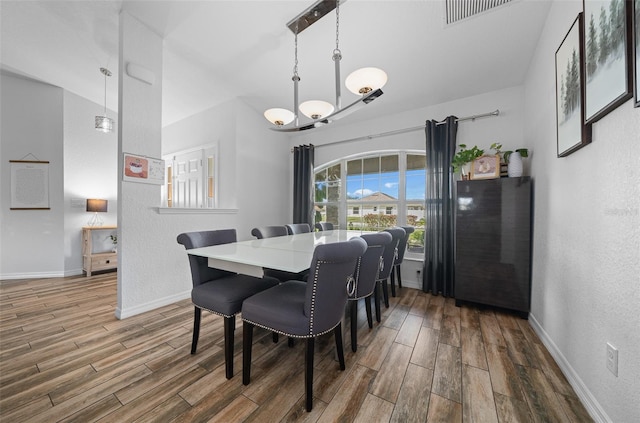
<point x="279" y="117"/>
<point x="365" y="80"/>
<point x="316" y="109"/>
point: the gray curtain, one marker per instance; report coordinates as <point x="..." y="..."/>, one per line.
<point x="439" y="252"/>
<point x="303" y="184"/>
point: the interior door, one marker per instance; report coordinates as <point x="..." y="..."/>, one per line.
<point x="187" y="185"/>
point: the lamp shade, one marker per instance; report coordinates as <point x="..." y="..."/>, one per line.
<point x="104" y="124"/>
<point x="316" y="109"/>
<point x="365" y="80"/>
<point x="278" y="116"/>
<point x="95" y="205"/>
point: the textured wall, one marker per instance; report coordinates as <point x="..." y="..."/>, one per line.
<point x="142" y="240"/>
<point x="31" y="129"/>
<point x="586" y="267"/>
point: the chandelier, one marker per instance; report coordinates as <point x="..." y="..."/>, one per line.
<point x="103" y="123"/>
<point x="365" y="82"/>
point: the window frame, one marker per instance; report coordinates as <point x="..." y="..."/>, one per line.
<point x="401" y="203"/>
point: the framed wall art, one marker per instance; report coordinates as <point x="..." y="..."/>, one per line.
<point x="572" y="131"/>
<point x="486" y="167"/>
<point x="636" y="50"/>
<point x="142" y="169"/>
<point x="29" y="185"/>
<point x="607" y="41"/>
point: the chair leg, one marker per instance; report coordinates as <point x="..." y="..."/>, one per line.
<point x="308" y="374"/>
<point x="376" y="295"/>
<point x="229" y="331"/>
<point x="393" y="282"/>
<point x="274" y="337"/>
<point x="196" y="329"/>
<point x="290" y="342"/>
<point x="339" y="347"/>
<point x="367" y="306"/>
<point x="247" y="342"/>
<point x="399" y="277"/>
<point x="385" y="292"/>
<point x="354" y="325"/>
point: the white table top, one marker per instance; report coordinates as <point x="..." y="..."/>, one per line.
<point x="292" y="253"/>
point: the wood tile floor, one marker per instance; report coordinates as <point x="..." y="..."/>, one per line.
<point x="65" y="357"/>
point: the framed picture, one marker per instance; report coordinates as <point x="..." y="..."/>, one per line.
<point x="29" y="185"/>
<point x="636" y="50"/>
<point x="486" y="167"/>
<point x="607" y="56"/>
<point x="572" y="131"/>
<point x="143" y="169"/>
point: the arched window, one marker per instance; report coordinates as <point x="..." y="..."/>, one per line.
<point x="374" y="191"/>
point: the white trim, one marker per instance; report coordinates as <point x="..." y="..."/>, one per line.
<point x="185" y="210"/>
<point x="31" y="275"/>
<point x="586" y="397"/>
<point x="143" y="308"/>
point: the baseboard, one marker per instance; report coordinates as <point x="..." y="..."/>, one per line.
<point x="31" y="275"/>
<point x="588" y="400"/>
<point x="143" y="308"/>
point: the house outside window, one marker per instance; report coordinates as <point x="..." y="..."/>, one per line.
<point x="374" y="191"/>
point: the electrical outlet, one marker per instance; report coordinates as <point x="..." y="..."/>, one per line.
<point x="612" y="359"/>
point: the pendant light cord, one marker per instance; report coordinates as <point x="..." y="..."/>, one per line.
<point x="105" y="94"/>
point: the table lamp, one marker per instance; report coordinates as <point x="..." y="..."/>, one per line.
<point x="96" y="206"/>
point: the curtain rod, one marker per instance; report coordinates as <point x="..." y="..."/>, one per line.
<point x="404" y="130"/>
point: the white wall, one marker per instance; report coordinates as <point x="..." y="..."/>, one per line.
<point x="507" y="128"/>
<point x="90" y="171"/>
<point x="586" y="254"/>
<point x="31" y="127"/>
<point x="264" y="170"/>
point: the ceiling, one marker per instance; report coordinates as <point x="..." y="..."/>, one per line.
<point x="216" y="50"/>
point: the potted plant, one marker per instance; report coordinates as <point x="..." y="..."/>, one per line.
<point x="463" y="159"/>
<point x="514" y="161"/>
<point x="514" y="167"/>
<point x="114" y="241"/>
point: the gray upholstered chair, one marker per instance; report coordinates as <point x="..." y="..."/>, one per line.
<point x="367" y="269"/>
<point x="298" y="228"/>
<point x="324" y="226"/>
<point x="262" y="232"/>
<point x="306" y="310"/>
<point x="389" y="257"/>
<point x="402" y="247"/>
<point x="218" y="291"/>
<point x="269" y="231"/>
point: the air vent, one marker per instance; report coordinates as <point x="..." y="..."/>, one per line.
<point x="462" y="9"/>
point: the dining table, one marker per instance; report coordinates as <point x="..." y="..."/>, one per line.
<point x="290" y="253"/>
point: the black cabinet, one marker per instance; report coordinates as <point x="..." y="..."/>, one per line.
<point x="493" y="243"/>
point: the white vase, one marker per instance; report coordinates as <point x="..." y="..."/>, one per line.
<point x="514" y="169"/>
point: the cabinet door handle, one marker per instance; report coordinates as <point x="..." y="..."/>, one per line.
<point x="108" y="261"/>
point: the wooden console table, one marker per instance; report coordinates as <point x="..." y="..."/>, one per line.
<point x="91" y="261"/>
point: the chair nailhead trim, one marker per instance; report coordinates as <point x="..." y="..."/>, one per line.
<point x="214" y="312"/>
<point x="288" y="334"/>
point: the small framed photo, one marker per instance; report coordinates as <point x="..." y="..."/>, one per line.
<point x="486" y="167"/>
<point x="572" y="131"/>
<point x="147" y="170"/>
<point x="606" y="61"/>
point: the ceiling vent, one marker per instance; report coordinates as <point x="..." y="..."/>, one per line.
<point x="458" y="10"/>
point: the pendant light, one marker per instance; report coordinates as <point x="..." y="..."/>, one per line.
<point x="103" y="123"/>
<point x="366" y="82"/>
